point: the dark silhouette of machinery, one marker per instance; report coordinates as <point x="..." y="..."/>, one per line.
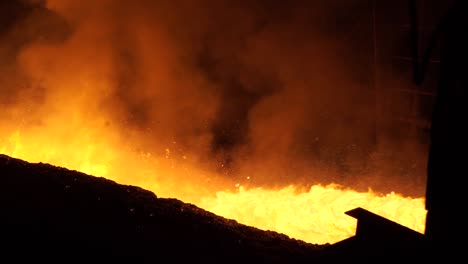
<point x="446" y="197"/>
<point x="379" y="239"/>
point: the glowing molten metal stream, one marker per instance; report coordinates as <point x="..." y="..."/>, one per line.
<point x="315" y="215"/>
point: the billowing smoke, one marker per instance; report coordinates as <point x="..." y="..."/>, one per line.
<point x="277" y="91"/>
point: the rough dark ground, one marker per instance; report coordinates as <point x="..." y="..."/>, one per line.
<point x="56" y="215"/>
<point x="53" y="214"/>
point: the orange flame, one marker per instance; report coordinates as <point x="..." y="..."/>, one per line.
<point x="70" y="124"/>
<point x="315" y="216"/>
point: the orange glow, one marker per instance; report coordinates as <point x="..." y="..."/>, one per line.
<point x="315" y="216"/>
<point x="132" y="93"/>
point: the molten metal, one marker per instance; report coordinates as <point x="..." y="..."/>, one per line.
<point x="315" y="216"/>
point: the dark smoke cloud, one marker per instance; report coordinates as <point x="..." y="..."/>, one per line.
<point x="23" y="22"/>
<point x="276" y="90"/>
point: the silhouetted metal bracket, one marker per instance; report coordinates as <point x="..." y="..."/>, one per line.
<point x="377" y="236"/>
<point x="373" y="226"/>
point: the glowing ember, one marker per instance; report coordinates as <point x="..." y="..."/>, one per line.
<point x="315" y="216"/>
